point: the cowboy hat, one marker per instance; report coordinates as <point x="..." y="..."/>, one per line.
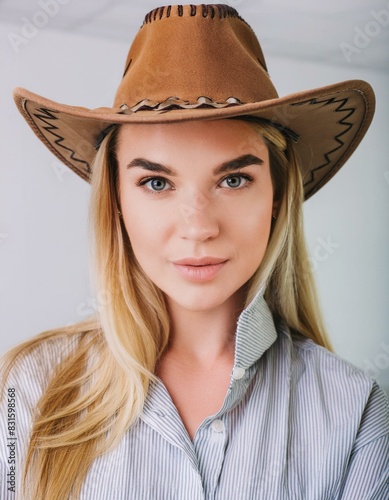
<point x="201" y="62"/>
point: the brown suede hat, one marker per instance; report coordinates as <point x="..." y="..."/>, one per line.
<point x="202" y="62"/>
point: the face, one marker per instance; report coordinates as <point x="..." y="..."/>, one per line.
<point x="197" y="202"/>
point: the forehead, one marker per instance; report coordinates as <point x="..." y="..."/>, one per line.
<point x="217" y="137"/>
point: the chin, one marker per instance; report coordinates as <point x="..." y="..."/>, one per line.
<point x="203" y="300"/>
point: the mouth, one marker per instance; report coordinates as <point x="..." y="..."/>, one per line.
<point x="201" y="261"/>
<point x="199" y="270"/>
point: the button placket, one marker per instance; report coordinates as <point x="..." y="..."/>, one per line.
<point x="210" y="448"/>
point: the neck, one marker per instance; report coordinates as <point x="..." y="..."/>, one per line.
<point x="204" y="337"/>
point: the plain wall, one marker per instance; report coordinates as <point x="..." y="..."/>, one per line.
<point x="44" y="277"/>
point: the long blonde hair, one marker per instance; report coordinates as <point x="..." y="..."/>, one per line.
<point x="97" y="393"/>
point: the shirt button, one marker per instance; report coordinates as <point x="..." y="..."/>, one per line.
<point x="238" y="373"/>
<point x="217" y="426"/>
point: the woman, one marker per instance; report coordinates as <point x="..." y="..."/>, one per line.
<point x="207" y="371"/>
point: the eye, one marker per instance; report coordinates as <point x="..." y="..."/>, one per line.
<point x="235" y="181"/>
<point x="155" y="184"/>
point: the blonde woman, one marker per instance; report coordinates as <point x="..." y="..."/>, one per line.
<point x="207" y="373"/>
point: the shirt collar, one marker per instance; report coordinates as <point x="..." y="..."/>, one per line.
<point x="255" y="332"/>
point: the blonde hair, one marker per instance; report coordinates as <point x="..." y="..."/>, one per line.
<point x="97" y="393"/>
<point x="285" y="269"/>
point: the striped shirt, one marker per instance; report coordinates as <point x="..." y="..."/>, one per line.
<point x="297" y="422"/>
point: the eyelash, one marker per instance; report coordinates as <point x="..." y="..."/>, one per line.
<point x="143" y="182"/>
<point x="246" y="177"/>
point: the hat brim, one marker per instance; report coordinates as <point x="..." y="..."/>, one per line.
<point x="329" y="121"/>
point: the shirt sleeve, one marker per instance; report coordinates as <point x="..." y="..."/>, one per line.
<point x="367" y="475"/>
<point x="24" y="386"/>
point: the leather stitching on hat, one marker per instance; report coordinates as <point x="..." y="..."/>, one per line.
<point x="174" y="102"/>
<point x="206" y="10"/>
<point x="47" y="114"/>
<point x="339" y="109"/>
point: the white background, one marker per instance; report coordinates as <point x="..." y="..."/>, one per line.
<point x="44" y="277"/>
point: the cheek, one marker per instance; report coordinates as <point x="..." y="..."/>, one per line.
<point x="138" y="217"/>
<point x="147" y="231"/>
<point x="255" y="215"/>
<point x="140" y="231"/>
<point x="255" y="232"/>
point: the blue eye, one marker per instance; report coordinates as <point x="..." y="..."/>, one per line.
<point x="156" y="184"/>
<point x="235" y="181"/>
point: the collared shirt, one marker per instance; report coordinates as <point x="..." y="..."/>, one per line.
<point x="297" y="422"/>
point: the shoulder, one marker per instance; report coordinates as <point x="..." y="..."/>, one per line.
<point x="29" y="368"/>
<point x="37" y="361"/>
<point x="326" y="366"/>
<point x="29" y="374"/>
<point x="335" y="388"/>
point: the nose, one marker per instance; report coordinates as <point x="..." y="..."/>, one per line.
<point x="198" y="220"/>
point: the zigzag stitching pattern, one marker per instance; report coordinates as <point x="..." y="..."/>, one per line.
<point x="337" y="138"/>
<point x="48" y="115"/>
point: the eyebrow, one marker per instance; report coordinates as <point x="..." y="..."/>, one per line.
<point x="151" y="166"/>
<point x="228" y="166"/>
<point x="238" y="163"/>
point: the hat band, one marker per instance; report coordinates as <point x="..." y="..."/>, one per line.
<point x="177" y="103"/>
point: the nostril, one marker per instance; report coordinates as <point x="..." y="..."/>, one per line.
<point x="198" y="225"/>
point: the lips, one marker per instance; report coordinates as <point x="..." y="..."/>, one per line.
<point x="199" y="269"/>
<point x="202" y="261"/>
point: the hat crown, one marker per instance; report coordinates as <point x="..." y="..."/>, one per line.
<point x="185" y="53"/>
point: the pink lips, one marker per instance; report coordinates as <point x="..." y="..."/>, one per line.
<point x="198" y="270"/>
